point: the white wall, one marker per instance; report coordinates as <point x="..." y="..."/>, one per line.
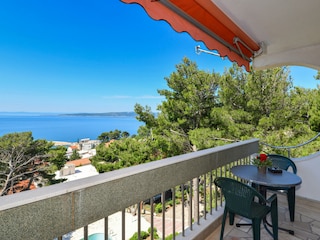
<point x="309" y="171"/>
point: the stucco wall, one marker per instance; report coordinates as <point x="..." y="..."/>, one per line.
<point x="309" y="171"/>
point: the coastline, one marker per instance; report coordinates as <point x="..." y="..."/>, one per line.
<point x="61" y="143"/>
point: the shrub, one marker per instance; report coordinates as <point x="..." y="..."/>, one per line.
<point x="170" y="237"/>
<point x="155" y="233"/>
<point x="158" y="208"/>
<point x="143" y="235"/>
<point x="170" y="203"/>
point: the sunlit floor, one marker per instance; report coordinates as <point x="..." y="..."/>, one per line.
<point x="305" y="227"/>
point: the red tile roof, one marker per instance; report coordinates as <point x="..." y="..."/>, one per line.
<point x="21" y="186"/>
<point x="80" y="162"/>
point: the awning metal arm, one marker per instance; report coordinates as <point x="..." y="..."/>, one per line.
<point x="194" y="22"/>
<point x="199" y="50"/>
<point x="237" y="40"/>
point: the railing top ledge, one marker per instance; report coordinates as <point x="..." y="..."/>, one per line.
<point x="26" y="197"/>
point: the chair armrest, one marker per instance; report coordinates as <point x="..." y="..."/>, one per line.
<point x="272" y="200"/>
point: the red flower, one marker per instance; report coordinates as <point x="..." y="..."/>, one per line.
<point x="263" y="157"/>
<point x="262" y="160"/>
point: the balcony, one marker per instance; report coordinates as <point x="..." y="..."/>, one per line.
<point x="59" y="211"/>
<point x="305" y="226"/>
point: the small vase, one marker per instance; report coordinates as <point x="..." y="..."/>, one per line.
<point x="262" y="169"/>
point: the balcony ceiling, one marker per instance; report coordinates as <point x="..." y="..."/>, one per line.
<point x="255" y="33"/>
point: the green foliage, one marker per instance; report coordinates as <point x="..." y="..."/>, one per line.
<point x="58" y="156"/>
<point x="203" y="110"/>
<point x="144" y="114"/>
<point x="262" y="161"/>
<point x="158" y="208"/>
<point x="170" y="237"/>
<point x="155" y="232"/>
<point x="125" y="152"/>
<point x="143" y="235"/>
<point x="193" y="94"/>
<point x="205" y="138"/>
<point x="315" y="112"/>
<point x="169" y="203"/>
<point x="75" y="155"/>
<point x="116" y="135"/>
<point x="232" y="88"/>
<point x="23" y="158"/>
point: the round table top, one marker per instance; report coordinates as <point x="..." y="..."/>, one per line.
<point x="250" y="173"/>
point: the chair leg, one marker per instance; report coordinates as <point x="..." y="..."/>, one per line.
<point x="256" y="223"/>
<point x="291" y="196"/>
<point x="223" y="223"/>
<point x="274" y="220"/>
<point x="231" y="218"/>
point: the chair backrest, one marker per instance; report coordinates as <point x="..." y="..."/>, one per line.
<point x="282" y="162"/>
<point x="238" y="196"/>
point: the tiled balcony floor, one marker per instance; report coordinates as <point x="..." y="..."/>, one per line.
<point x="306" y="225"/>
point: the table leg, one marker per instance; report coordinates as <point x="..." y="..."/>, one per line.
<point x="263" y="191"/>
<point x="266" y="223"/>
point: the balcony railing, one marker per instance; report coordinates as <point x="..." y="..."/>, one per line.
<point x="53" y="211"/>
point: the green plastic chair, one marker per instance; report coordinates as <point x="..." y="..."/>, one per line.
<point x="285" y="163"/>
<point x="244" y="200"/>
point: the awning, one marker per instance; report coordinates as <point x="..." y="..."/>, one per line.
<point x="267" y="33"/>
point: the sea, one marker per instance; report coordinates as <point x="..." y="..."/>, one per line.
<point x="65" y="128"/>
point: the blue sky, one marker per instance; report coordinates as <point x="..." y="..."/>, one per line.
<point x="93" y="56"/>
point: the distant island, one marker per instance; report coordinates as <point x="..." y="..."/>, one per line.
<point x="107" y="114"/>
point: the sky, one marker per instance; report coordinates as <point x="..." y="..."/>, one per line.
<point x="93" y="56"/>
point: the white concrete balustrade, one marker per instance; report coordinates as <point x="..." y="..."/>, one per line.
<point x="53" y="211"/>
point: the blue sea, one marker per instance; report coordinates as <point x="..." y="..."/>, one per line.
<point x="55" y="127"/>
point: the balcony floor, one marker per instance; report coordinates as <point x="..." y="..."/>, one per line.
<point x="306" y="225"/>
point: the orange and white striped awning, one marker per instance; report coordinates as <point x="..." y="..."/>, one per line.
<point x="267" y="33"/>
